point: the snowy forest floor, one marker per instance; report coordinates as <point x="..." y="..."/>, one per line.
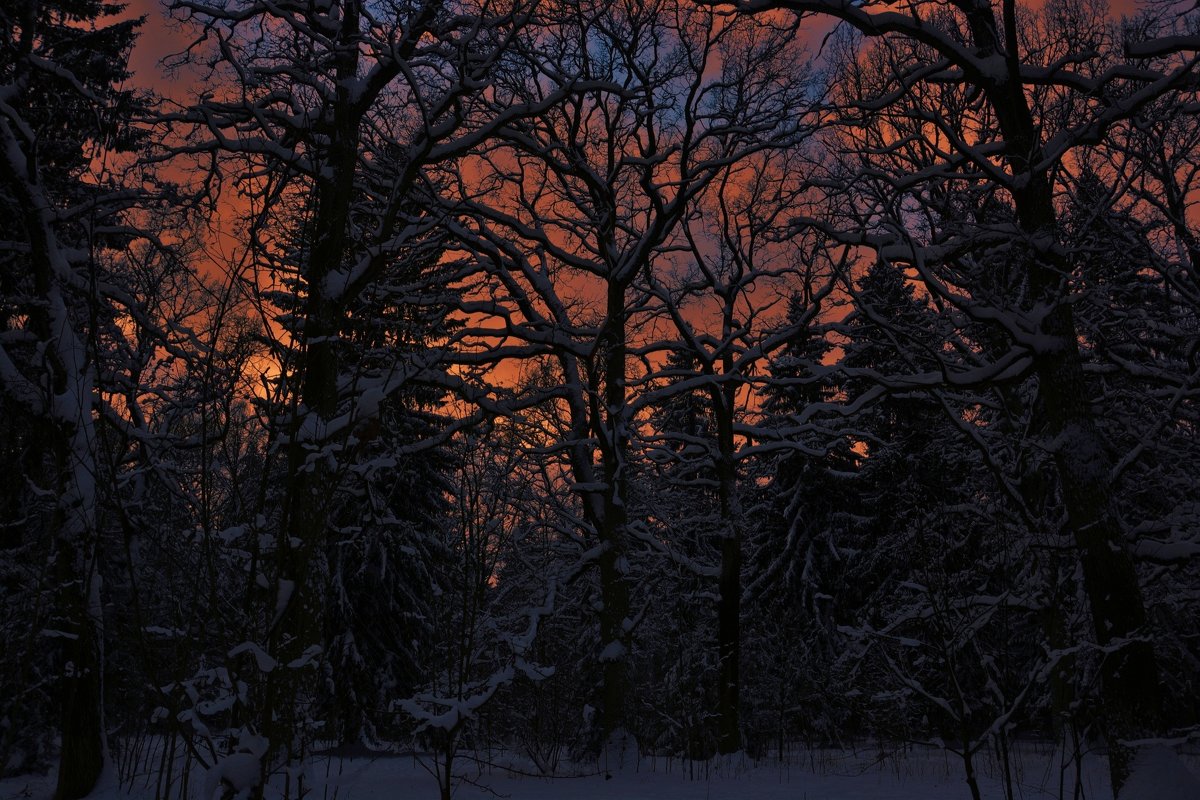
<point x="912" y="773"/>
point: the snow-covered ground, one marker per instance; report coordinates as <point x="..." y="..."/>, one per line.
<point x="911" y="774"/>
<point x="827" y="776"/>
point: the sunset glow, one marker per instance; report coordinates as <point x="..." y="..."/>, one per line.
<point x="630" y="394"/>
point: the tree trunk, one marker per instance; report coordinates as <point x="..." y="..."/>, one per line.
<point x="82" y="757"/>
<point x="83" y="752"/>
<point x="613" y="561"/>
<point x="614" y="638"/>
<point x="299" y="622"/>
<point x="729" y="597"/>
<point x="729" y="610"/>
<point x="1132" y="702"/>
<point x="1132" y="706"/>
<point x="69" y="437"/>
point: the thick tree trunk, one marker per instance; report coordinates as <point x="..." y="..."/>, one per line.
<point x="614" y="616"/>
<point x="1132" y="701"/>
<point x="1132" y="707"/>
<point x="82" y="758"/>
<point x="69" y="437"/>
<point x="613" y="562"/>
<point x="81" y="684"/>
<point x="299" y="623"/>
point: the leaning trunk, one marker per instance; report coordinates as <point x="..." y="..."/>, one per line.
<point x="1130" y="688"/>
<point x="1130" y="685"/>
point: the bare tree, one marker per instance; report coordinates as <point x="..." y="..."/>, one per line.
<point x="329" y="120"/>
<point x="1025" y="107"/>
<point x="728" y="307"/>
<point x="587" y="197"/>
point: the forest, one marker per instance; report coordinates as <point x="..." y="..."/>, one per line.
<point x="585" y="378"/>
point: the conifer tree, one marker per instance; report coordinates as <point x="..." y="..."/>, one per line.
<point x="62" y="110"/>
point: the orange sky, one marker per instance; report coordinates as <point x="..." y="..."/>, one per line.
<point x="160" y="38"/>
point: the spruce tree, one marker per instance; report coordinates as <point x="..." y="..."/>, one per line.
<point x="62" y="65"/>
